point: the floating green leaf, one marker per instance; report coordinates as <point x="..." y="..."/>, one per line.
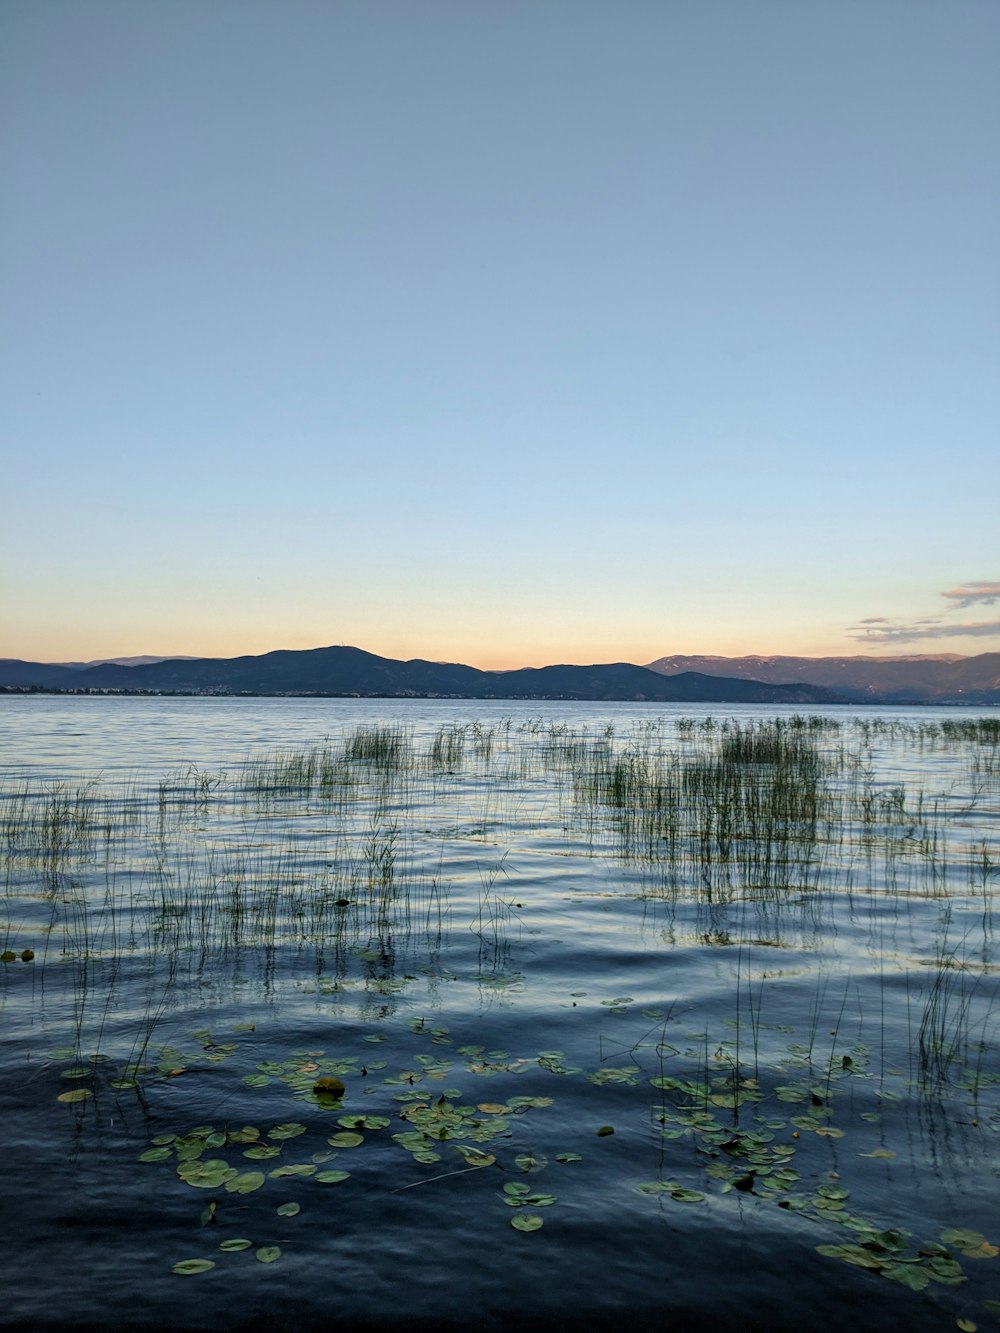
<point x="364" y="1121"/>
<point x="245" y="1182"/>
<point x="851" y="1254"/>
<point x="526" y="1222"/>
<point x="267" y="1254"/>
<point x="187" y="1267"/>
<point x="531" y="1161"/>
<point x="288" y="1131"/>
<point x="232" y="1246"/>
<point x="909" y="1275"/>
<point x="155" y="1155"/>
<point x="972" y="1244"/>
<point x="74" y="1095"/>
<point x="345" y="1139"/>
<point x="288" y="1209"/>
<point x="248" y="1134"/>
<point x="946" y="1270"/>
<point x="331" y="1177"/>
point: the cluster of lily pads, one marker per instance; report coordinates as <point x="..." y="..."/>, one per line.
<point x="752" y="1133"/>
<point x="434" y="1122"/>
<point x="731" y="1119"/>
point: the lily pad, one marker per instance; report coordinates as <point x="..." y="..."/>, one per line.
<point x="288" y="1209"/>
<point x="526" y="1222"/>
<point x="331" y="1177"/>
<point x="364" y="1121"/>
<point x="346" y="1139"/>
<point x="267" y="1254"/>
<point x="531" y="1161"/>
<point x="909" y="1275"/>
<point x="232" y="1246"/>
<point x="155" y="1155"/>
<point x="248" y="1134"/>
<point x="288" y="1131"/>
<point x="245" y="1182"/>
<point x="187" y="1267"/>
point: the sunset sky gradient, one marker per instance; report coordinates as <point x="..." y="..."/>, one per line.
<point x="502" y="331"/>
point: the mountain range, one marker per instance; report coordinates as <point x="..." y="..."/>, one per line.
<point x="344" y="671"/>
<point x="941" y="678"/>
<point x="351" y="672"/>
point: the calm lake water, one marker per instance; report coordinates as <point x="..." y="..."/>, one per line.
<point x="460" y="1014"/>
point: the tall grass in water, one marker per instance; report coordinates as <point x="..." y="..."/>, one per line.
<point x="448" y="748"/>
<point x="325" y="842"/>
<point x="386" y="748"/>
<point x="54" y="823"/>
<point x="318" y="770"/>
<point x="742" y="805"/>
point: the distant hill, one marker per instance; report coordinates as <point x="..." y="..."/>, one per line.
<point x="344" y="671"/>
<point x="144" y="660"/>
<point x="943" y="678"/>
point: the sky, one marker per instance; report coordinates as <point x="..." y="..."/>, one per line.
<point x="499" y="331"/>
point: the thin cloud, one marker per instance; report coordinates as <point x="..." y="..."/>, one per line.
<point x="883" y="629"/>
<point x="976" y="590"/>
<point x="899" y="632"/>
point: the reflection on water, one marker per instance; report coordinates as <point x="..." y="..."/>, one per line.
<point x="636" y="1013"/>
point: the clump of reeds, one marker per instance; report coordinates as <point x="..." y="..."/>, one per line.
<point x="385" y="748"/>
<point x="743" y="801"/>
<point x="317" y="770"/>
<point x="448" y="748"/>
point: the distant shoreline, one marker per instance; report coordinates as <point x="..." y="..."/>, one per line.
<point x="95" y="693"/>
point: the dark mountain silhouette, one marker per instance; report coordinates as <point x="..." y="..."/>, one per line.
<point x="27" y="674"/>
<point x="351" y="671"/>
<point x="945" y="678"/>
<point x="119" y="661"/>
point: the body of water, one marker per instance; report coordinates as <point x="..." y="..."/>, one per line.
<point x="391" y="1014"/>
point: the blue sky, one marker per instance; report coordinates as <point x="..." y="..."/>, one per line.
<point x="508" y="332"/>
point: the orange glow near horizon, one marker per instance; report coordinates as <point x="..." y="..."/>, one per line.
<point x="88" y="646"/>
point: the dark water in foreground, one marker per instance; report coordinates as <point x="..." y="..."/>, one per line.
<point x="763" y="956"/>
